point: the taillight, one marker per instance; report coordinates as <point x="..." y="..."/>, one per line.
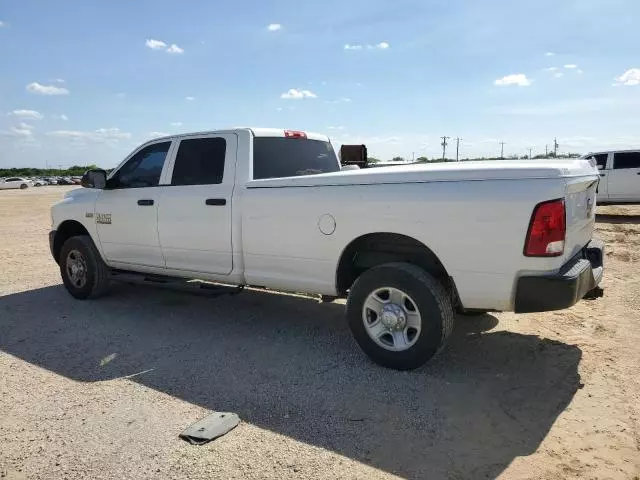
<point x="294" y="134"/>
<point x="547" y="230"/>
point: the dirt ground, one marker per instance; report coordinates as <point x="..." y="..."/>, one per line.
<point x="101" y="389"/>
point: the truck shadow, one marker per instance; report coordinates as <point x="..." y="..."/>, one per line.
<point x="618" y="219"/>
<point x="289" y="364"/>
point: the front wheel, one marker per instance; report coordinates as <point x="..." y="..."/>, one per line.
<point x="400" y="315"/>
<point x="23" y="186"/>
<point x="84" y="274"/>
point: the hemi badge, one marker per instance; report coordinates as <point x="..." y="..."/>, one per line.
<point x="88" y="215"/>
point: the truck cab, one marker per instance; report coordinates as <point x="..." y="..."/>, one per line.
<point x="619" y="176"/>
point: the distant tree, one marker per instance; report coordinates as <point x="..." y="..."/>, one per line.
<point x="373" y="160"/>
<point x="422" y="159"/>
<point x="397" y="159"/>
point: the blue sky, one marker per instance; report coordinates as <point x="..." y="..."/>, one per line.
<point x="85" y="82"/>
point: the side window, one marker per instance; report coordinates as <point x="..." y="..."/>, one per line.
<point x="143" y="169"/>
<point x="626" y="160"/>
<point x="200" y="161"/>
<point x="601" y="160"/>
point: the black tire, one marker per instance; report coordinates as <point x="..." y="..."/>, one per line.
<point x="97" y="272"/>
<point x="431" y="298"/>
<point x="23" y="186"/>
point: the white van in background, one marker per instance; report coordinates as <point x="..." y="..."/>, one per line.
<point x="619" y="176"/>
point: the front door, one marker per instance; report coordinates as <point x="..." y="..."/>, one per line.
<point x="126" y="211"/>
<point x="624" y="179"/>
<point x="194" y="213"/>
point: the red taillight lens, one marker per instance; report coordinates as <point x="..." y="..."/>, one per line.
<point x="547" y="230"/>
<point x="294" y="134"/>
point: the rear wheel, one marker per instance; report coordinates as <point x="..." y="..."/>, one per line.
<point x="400" y="315"/>
<point x="84" y="274"/>
<point x="23" y="186"/>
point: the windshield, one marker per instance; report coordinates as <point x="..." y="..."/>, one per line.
<point x="275" y="157"/>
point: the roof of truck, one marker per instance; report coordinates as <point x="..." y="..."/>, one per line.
<point x="257" y="132"/>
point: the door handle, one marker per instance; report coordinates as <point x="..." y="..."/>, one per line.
<point x="218" y="202"/>
<point x="602" y="174"/>
<point x="145" y="202"/>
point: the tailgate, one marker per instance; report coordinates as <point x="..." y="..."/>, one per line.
<point x="580" y="203"/>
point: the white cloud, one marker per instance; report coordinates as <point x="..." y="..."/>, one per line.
<point x="158" y="134"/>
<point x="155" y="44"/>
<point x="630" y="78"/>
<point x="571" y="66"/>
<point x="189" y="99"/>
<point x="176" y="124"/>
<point x="358" y="46"/>
<point x="340" y="100"/>
<point x="39" y="89"/>
<point x="549" y="54"/>
<point x="279" y="109"/>
<point x="31" y="114"/>
<point x="519" y="79"/>
<point x="580" y="71"/>
<point x="274" y="27"/>
<point x="2" y="24"/>
<point x="59" y="80"/>
<point x="336" y="128"/>
<point x="558" y="74"/>
<point x="62" y="117"/>
<point x="175" y="49"/>
<point x="20" y="130"/>
<point x="295" y="94"/>
<point x="101" y="135"/>
<point x="551" y="69"/>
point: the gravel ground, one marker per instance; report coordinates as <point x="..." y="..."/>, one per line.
<point x="101" y="389"/>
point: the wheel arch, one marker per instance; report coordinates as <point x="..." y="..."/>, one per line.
<point x="66" y="230"/>
<point x="372" y="249"/>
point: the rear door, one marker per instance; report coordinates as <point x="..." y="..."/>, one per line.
<point x="624" y="178"/>
<point x="194" y="213"/>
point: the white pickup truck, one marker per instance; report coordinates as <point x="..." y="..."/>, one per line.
<point x="408" y="245"/>
<point x="620" y="176"/>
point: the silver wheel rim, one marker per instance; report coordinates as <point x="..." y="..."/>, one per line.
<point x="76" y="268"/>
<point x="392" y="319"/>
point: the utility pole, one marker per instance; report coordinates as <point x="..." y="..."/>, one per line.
<point x="530" y="157"/>
<point x="502" y="150"/>
<point x="457" y="148"/>
<point x="413" y="157"/>
<point x="555" y="147"/>
<point x="444" y="146"/>
<point x="546" y="151"/>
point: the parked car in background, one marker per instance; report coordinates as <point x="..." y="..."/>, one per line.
<point x="15" y="182"/>
<point x="40" y="182"/>
<point x="619" y="176"/>
<point x="65" y="181"/>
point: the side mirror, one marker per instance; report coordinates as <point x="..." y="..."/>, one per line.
<point x="94" y="179"/>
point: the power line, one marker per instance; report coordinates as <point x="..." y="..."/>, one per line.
<point x="444" y="145"/>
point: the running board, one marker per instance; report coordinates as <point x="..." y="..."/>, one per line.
<point x="200" y="287"/>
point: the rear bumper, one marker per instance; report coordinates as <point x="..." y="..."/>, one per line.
<point x="576" y="278"/>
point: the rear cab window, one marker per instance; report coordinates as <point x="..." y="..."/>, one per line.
<point x="626" y="160"/>
<point x="275" y="157"/>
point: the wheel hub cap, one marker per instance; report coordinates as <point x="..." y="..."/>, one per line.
<point x="393" y="317"/>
